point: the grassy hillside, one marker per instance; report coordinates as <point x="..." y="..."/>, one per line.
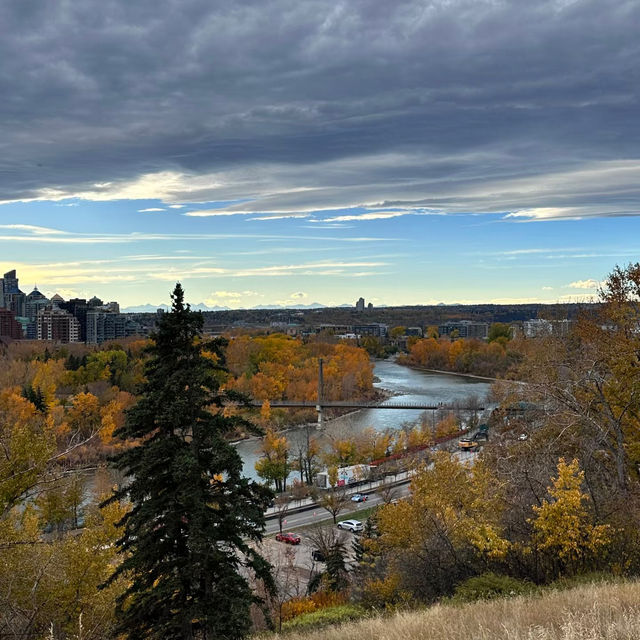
<point x="589" y="612"/>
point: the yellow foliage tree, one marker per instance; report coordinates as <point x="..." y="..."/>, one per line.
<point x="84" y="415"/>
<point x="451" y="507"/>
<point x="53" y="585"/>
<point x="448" y="426"/>
<point x="27" y="439"/>
<point x="274" y="465"/>
<point x="563" y="525"/>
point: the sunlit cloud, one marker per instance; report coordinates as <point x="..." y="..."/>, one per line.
<point x="32" y="229"/>
<point x="377" y="215"/>
<point x="234" y="294"/>
<point x="56" y="236"/>
<point x="545" y="213"/>
<point x="584" y="284"/>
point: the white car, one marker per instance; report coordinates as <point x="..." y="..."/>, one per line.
<point x="351" y="525"/>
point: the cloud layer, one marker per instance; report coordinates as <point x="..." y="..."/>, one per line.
<point x="526" y="108"/>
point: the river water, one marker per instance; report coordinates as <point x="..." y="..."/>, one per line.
<point x="406" y="385"/>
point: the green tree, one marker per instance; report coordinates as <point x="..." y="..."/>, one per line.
<point x="500" y="331"/>
<point x="188" y="539"/>
<point x="397" y="332"/>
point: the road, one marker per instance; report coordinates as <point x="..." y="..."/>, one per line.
<point x="318" y="514"/>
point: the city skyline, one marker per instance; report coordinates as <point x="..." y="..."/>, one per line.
<point x="415" y="152"/>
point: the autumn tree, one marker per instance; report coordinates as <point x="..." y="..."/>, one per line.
<point x="51" y="588"/>
<point x="273" y="465"/>
<point x="335" y="499"/>
<point x="27" y="438"/>
<point x="397" y="332"/>
<point x="308" y="458"/>
<point x="563" y="526"/>
<point x="448" y="526"/>
<point x="282" y="504"/>
<point x="499" y="331"/>
<point x="589" y="386"/>
<point x="187" y="542"/>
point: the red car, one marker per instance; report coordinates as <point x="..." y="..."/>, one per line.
<point x="289" y="538"/>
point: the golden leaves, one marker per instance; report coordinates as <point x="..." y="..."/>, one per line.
<point x="563" y="524"/>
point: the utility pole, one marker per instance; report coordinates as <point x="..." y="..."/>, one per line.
<point x="320" y="394"/>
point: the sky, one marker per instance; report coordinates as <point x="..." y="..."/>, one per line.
<point x="290" y="152"/>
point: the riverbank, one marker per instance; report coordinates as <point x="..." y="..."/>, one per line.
<point x="417" y="367"/>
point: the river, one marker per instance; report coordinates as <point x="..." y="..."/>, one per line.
<point x="405" y="385"/>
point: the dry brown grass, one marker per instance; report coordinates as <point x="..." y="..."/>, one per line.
<point x="589" y="612"/>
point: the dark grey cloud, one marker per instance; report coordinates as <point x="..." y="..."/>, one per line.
<point x="458" y="104"/>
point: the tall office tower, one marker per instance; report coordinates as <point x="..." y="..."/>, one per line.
<point x="360" y="305"/>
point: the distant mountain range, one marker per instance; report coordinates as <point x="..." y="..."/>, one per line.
<point x="201" y="306"/>
<point x="312" y="305"/>
<point x="152" y="308"/>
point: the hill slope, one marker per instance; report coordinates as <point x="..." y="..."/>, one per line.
<point x="589" y="612"/>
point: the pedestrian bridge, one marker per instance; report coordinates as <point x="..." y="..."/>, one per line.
<point x="287" y="404"/>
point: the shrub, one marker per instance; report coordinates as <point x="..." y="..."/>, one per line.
<point x="325" y="617"/>
<point x="316" y="602"/>
<point x="488" y="586"/>
<point x="589" y="578"/>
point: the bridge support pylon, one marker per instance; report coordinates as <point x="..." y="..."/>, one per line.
<point x="319" y="407"/>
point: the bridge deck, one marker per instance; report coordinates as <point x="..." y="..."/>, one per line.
<point x="285" y="404"/>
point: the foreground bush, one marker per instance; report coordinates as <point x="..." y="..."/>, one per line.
<point x="489" y="586"/>
<point x="325" y="617"/>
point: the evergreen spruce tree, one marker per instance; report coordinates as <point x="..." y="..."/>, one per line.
<point x="187" y="540"/>
<point x="336" y="563"/>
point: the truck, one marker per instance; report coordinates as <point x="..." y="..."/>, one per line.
<point x="347" y="476"/>
<point x="467" y="444"/>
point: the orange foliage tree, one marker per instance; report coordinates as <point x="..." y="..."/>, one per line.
<point x="278" y="367"/>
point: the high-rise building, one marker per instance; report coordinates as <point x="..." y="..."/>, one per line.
<point x="57" y="325"/>
<point x="103" y="325"/>
<point x="9" y="326"/>
<point x="78" y="308"/>
<point x="10" y="295"/>
<point x="56" y="301"/>
<point x="360" y="305"/>
<point x="34" y="302"/>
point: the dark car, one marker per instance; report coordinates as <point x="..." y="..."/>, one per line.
<point x="317" y="555"/>
<point x="289" y="538"/>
